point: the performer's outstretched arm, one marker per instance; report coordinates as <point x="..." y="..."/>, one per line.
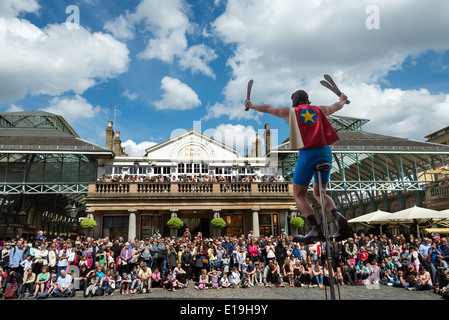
<point x="281" y="112"/>
<point x="328" y="110"/>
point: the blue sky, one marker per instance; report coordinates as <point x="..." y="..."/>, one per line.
<point x="172" y="63"/>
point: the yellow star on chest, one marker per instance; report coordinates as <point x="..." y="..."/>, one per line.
<point x="308" y="116"/>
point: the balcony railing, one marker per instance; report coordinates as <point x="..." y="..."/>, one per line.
<point x="154" y="188"/>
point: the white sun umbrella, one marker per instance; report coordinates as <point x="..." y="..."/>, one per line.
<point x="372" y="218"/>
<point x="415" y="215"/>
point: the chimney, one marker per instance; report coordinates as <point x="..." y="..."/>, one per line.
<point x="117" y="144"/>
<point x="267" y="137"/>
<point x="109" y="136"/>
<point x="258" y="146"/>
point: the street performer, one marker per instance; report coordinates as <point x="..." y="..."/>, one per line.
<point x="316" y="133"/>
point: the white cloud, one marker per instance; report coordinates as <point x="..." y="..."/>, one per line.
<point x="196" y="58"/>
<point x="129" y="95"/>
<point x="166" y="25"/>
<point x="287" y="45"/>
<point x="137" y="149"/>
<point x="177" y="96"/>
<point x="236" y="136"/>
<point x="13" y="8"/>
<point x="73" y="109"/>
<point x="62" y="60"/>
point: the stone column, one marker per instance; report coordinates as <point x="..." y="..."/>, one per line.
<point x="215" y="232"/>
<point x="294" y="231"/>
<point x="256" y="222"/>
<point x="132" y="226"/>
<point x="173" y="214"/>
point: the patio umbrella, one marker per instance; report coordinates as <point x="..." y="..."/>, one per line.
<point x="371" y="218"/>
<point x="415" y="215"/>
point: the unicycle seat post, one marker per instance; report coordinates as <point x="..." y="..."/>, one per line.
<point x="319" y="168"/>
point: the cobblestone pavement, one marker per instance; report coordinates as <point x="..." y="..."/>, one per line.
<point x="264" y="293"/>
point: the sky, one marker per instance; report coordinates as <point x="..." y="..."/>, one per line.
<point x="173" y="65"/>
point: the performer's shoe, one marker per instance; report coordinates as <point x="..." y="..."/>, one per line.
<point x="342" y="227"/>
<point x="315" y="235"/>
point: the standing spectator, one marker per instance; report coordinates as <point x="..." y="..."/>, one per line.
<point x="145" y="252"/>
<point x="125" y="258"/>
<point x="16" y="256"/>
<point x="171" y="257"/>
<point x="161" y="260"/>
<point x="281" y="252"/>
<point x="40" y="256"/>
<point x="350" y="250"/>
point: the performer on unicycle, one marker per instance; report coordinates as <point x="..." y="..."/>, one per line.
<point x="317" y="134"/>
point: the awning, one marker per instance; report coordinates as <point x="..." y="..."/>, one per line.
<point x="437" y="230"/>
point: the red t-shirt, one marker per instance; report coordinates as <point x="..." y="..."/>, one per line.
<point x="316" y="130"/>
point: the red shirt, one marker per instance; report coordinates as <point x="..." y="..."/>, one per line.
<point x="316" y="130"/>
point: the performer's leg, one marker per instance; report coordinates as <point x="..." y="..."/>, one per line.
<point x="315" y="234"/>
<point x="341" y="222"/>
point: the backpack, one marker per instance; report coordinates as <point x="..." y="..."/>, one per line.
<point x="42" y="295"/>
<point x="12" y="291"/>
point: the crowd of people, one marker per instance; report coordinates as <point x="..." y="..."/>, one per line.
<point x="187" y="178"/>
<point x="45" y="267"/>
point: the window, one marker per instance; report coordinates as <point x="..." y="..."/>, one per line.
<point x="118" y="170"/>
<point x="205" y="168"/>
<point x="181" y="168"/>
<point x="188" y="168"/>
<point x="108" y="170"/>
<point x="196" y="168"/>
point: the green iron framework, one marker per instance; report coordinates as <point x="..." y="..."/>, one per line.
<point x="369" y="169"/>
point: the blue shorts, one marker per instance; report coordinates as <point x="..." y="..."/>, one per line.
<point x="305" y="167"/>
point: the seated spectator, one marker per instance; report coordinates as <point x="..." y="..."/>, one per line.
<point x="224" y="281"/>
<point x="156" y="278"/>
<point x="400" y="280"/>
<point x="423" y="280"/>
<point x="214" y="277"/>
<point x="63" y="284"/>
<point x="94" y="284"/>
<point x="169" y="282"/>
<point x="42" y="280"/>
<point x="14" y="278"/>
<point x="52" y="284"/>
<point x="28" y="283"/>
<point x="144" y="276"/>
<point x="388" y="278"/>
<point x="125" y="284"/>
<point x="317" y="274"/>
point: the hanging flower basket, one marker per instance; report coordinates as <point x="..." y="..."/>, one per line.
<point x="88" y="224"/>
<point x="175" y="223"/>
<point x="218" y="223"/>
<point x="297" y="222"/>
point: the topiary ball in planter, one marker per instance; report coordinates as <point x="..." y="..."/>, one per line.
<point x="218" y="223"/>
<point x="88" y="224"/>
<point x="175" y="223"/>
<point x="297" y="222"/>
